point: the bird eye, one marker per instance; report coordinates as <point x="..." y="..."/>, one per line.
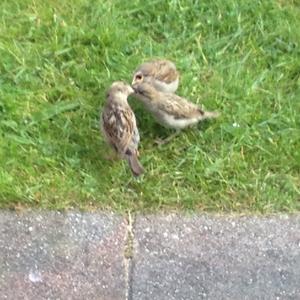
<point x="138" y="77"/>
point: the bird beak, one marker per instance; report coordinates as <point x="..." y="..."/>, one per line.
<point x="134" y="85"/>
<point x="133" y="82"/>
<point x="130" y="90"/>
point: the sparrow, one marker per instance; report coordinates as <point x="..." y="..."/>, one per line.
<point x="170" y="110"/>
<point x="118" y="124"/>
<point x="162" y="74"/>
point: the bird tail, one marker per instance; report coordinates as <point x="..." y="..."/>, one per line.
<point x="135" y="166"/>
<point x="209" y="115"/>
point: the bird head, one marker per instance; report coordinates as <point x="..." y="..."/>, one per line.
<point x="145" y="90"/>
<point x="119" y="88"/>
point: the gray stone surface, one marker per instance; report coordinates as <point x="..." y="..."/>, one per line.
<point x="62" y="256"/>
<point x="216" y="257"/>
<point x="51" y="255"/>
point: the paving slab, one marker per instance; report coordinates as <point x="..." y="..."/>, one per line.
<point x="52" y="255"/>
<point x="216" y="257"/>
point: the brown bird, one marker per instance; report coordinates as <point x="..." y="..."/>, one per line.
<point x="119" y="127"/>
<point x="161" y="74"/>
<point x="170" y="110"/>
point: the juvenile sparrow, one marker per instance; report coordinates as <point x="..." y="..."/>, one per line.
<point x="170" y="110"/>
<point x="162" y="74"/>
<point x="118" y="125"/>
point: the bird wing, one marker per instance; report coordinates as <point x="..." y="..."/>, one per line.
<point x="119" y="126"/>
<point x="179" y="107"/>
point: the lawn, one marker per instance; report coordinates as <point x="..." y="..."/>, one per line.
<point x="241" y="58"/>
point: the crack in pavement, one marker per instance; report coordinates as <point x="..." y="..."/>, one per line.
<point x="128" y="255"/>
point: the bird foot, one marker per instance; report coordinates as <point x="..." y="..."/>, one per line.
<point x="111" y="157"/>
<point x="167" y="140"/>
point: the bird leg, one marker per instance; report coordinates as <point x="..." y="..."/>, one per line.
<point x="160" y="141"/>
<point x="112" y="155"/>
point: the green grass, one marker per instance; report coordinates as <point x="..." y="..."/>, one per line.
<point x="239" y="57"/>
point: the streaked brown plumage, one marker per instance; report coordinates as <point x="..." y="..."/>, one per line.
<point x="119" y="127"/>
<point x="161" y="74"/>
<point x="169" y="109"/>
